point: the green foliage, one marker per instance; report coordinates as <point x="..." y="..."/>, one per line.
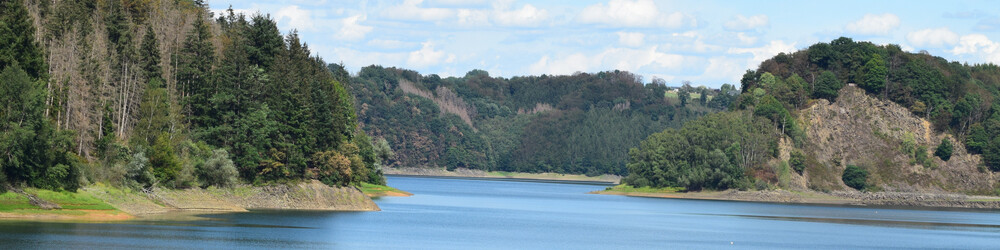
<point x="944" y="150"/>
<point x="33" y="151"/>
<point x="194" y="71"/>
<point x="797" y="160"/>
<point x="920" y="156"/>
<point x="875" y="75"/>
<point x="218" y="170"/>
<point x="149" y="54"/>
<point x="138" y="171"/>
<point x="162" y="158"/>
<point x="383" y="151"/>
<point x="17" y="41"/>
<point x="713" y="152"/>
<point x="566" y="124"/>
<point x="827" y="86"/>
<point x="855" y="177"/>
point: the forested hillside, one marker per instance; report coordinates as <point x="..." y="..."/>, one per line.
<point x="580" y="124"/>
<point x="166" y="93"/>
<point x="906" y="126"/>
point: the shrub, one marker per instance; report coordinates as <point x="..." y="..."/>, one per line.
<point x="855" y="177"/>
<point x="332" y="168"/>
<point x="798" y="161"/>
<point x="138" y="171"/>
<point x="944" y="150"/>
<point x="164" y="161"/>
<point x="218" y="170"/>
<point x="921" y="156"/>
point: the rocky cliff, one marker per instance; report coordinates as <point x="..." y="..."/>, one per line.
<point x="882" y="137"/>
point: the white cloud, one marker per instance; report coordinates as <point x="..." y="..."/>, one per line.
<point x="357" y="59"/>
<point x="526" y="16"/>
<point x="939" y="37"/>
<point x="978" y="44"/>
<point x="410" y="10"/>
<point x="872" y="24"/>
<point x="638" y="13"/>
<point x="688" y="42"/>
<point x="469" y="17"/>
<point x="427" y="56"/>
<point x="724" y="70"/>
<point x="610" y="59"/>
<point x="746" y="39"/>
<point x="350" y="28"/>
<point x="631" y="39"/>
<point x="742" y="23"/>
<point x="763" y="53"/>
<point x="296" y="18"/>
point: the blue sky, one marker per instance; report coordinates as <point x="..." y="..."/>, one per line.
<point x="705" y="42"/>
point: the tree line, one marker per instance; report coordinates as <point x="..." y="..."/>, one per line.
<point x="577" y="124"/>
<point x="167" y="93"/>
<point x="956" y="98"/>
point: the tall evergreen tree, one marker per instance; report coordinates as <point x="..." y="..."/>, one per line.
<point x="17" y="40"/>
<point x="149" y="53"/>
<point x="193" y="72"/>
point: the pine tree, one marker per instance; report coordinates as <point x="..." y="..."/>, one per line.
<point x="149" y="53"/>
<point x="17" y="41"/>
<point x="194" y="71"/>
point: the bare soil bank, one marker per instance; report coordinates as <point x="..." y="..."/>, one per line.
<point x="473" y="173"/>
<point x="301" y="196"/>
<point x="901" y="199"/>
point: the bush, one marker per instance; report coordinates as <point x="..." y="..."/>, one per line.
<point x="798" y="161"/>
<point x="218" y="170"/>
<point x="921" y="156"/>
<point x="138" y="171"/>
<point x="164" y="161"/>
<point x="944" y="150"/>
<point x="855" y="177"/>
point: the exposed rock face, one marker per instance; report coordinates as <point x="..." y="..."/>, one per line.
<point x="868" y="132"/>
<point x="305" y="196"/>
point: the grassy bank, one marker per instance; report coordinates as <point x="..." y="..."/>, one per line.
<point x="102" y="203"/>
<point x="75" y="206"/>
<point x="373" y="190"/>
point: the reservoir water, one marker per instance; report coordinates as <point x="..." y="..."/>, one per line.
<point x="488" y="214"/>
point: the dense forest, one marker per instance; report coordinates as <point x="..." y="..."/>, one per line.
<point x="957" y="99"/>
<point x="579" y="124"/>
<point x="166" y="93"/>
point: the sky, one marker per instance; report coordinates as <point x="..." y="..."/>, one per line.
<point x="705" y="42"/>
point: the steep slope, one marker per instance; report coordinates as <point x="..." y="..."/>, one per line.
<point x="578" y="124"/>
<point x="858" y="129"/>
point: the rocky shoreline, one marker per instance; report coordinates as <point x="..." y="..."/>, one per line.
<point x="301" y="196"/>
<point x="893" y="199"/>
<point x="473" y="173"/>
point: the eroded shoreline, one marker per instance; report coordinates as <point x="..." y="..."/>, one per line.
<point x="186" y="204"/>
<point x="480" y="174"/>
<point x="882" y="199"/>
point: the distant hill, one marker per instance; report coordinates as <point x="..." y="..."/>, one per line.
<point x="579" y="124"/>
<point x="841" y="115"/>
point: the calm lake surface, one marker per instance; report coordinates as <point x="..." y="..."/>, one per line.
<point x="484" y="214"/>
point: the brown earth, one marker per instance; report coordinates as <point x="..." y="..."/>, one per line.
<point x="474" y="173"/>
<point x="902" y="199"/>
<point x="301" y="196"/>
<point x="869" y="132"/>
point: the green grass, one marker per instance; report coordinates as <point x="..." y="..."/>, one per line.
<point x="625" y="188"/>
<point x="72" y="201"/>
<point x="373" y="189"/>
<point x="694" y="96"/>
<point x="11" y="201"/>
